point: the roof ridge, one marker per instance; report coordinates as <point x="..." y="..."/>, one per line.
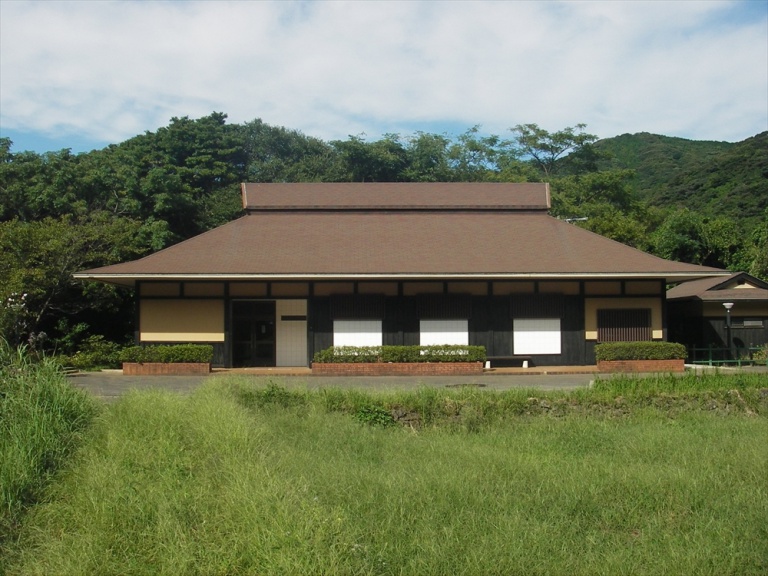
<point x="468" y="196"/>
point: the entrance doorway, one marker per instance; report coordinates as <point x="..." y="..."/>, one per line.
<point x="253" y="333"/>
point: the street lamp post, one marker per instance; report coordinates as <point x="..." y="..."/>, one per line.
<point x="728" y="306"/>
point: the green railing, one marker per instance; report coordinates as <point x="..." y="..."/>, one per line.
<point x="719" y="355"/>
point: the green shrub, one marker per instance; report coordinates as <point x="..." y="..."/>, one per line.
<point x="272" y="394"/>
<point x="169" y="354"/>
<point x="95" y="352"/>
<point x="348" y="354"/>
<point x="761" y="356"/>
<point x="640" y="351"/>
<point x="401" y="354"/>
<point x="453" y="353"/>
<point x="373" y="415"/>
<point x="397" y="354"/>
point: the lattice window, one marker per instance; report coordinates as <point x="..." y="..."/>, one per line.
<point x="624" y="325"/>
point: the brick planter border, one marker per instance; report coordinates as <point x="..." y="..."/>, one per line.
<point x="165" y="368"/>
<point x="641" y="365"/>
<point x="397" y="369"/>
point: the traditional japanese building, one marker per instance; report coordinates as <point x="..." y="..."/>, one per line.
<point x="314" y="265"/>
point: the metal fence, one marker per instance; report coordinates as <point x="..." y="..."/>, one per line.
<point x="719" y="355"/>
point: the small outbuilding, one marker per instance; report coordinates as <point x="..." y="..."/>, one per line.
<point x="726" y="314"/>
<point x="319" y="264"/>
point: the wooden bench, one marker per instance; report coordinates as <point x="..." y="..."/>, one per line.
<point x="509" y="361"/>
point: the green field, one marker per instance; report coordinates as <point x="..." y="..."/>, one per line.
<point x="664" y="476"/>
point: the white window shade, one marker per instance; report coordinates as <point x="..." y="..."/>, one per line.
<point x="537" y="336"/>
<point x="442" y="332"/>
<point x="357" y="333"/>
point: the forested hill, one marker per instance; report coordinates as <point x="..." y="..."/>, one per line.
<point x="712" y="178"/>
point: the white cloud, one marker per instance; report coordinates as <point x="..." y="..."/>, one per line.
<point x="111" y="70"/>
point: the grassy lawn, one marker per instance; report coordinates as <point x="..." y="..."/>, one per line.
<point x="627" y="478"/>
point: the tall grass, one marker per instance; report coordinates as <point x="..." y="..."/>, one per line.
<point x="472" y="408"/>
<point x="238" y="479"/>
<point x="690" y="382"/>
<point x="41" y="418"/>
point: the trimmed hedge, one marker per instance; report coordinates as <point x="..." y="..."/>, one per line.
<point x="170" y="354"/>
<point x="640" y="351"/>
<point x="399" y="354"/>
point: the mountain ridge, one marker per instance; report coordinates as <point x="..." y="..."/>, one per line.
<point x="711" y="177"/>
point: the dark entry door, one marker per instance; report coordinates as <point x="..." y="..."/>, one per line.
<point x="253" y="333"/>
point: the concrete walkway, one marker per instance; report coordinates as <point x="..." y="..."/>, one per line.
<point x="110" y="384"/>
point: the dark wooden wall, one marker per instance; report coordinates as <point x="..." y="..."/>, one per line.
<point x="490" y="325"/>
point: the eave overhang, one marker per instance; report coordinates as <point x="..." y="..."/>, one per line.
<point x="129" y="280"/>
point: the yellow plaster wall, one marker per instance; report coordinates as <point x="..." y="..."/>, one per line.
<point x="568" y="288"/>
<point x="414" y="288"/>
<point x="253" y="289"/>
<point x="506" y="288"/>
<point x="642" y="288"/>
<point x="473" y="288"/>
<point x="290" y="289"/>
<point x="160" y="289"/>
<point x="754" y="308"/>
<point x="181" y="320"/>
<point x="331" y="288"/>
<point x="591" y="305"/>
<point x="203" y="289"/>
<point x="386" y="288"/>
<point x="602" y="288"/>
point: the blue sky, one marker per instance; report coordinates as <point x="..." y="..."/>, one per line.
<point x="81" y="75"/>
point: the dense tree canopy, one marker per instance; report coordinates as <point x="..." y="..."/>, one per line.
<point x="37" y="259"/>
<point x="62" y="212"/>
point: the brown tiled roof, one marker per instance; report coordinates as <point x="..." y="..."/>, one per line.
<point x="396" y="196"/>
<point x="735" y="295"/>
<point x="409" y="244"/>
<point x="720" y="289"/>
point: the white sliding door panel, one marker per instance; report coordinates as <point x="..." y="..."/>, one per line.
<point x="357" y="333"/>
<point x="537" y="336"/>
<point x="442" y="332"/>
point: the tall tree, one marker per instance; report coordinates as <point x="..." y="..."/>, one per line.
<point x="37" y="260"/>
<point x="277" y="154"/>
<point x="380" y="161"/>
<point x="548" y="150"/>
<point x="572" y="195"/>
<point x="757" y="248"/>
<point x="476" y="158"/>
<point x="34" y="186"/>
<point x="427" y="158"/>
<point x="689" y="237"/>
